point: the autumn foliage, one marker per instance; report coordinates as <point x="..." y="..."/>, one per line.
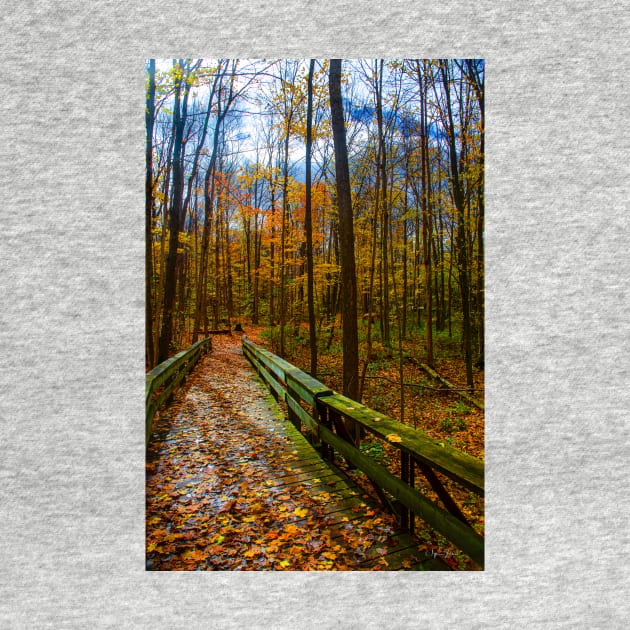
<point x="229" y="241"/>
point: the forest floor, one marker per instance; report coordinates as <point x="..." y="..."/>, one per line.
<point x="228" y="487"/>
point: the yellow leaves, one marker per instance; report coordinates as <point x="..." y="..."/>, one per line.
<point x="195" y="556"/>
<point x="254" y="551"/>
<point x="292" y="529"/>
<point x="301" y="512"/>
<point x="274" y="546"/>
<point x="393" y="437"/>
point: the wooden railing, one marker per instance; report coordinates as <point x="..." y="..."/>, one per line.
<point x="163" y="379"/>
<point x="330" y="420"/>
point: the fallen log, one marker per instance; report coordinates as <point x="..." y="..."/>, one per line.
<point x="463" y="394"/>
<point x="205" y="333"/>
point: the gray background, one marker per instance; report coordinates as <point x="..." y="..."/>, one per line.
<point x="71" y="323"/>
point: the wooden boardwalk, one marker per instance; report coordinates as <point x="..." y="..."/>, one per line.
<point x="343" y="502"/>
<point x="233" y="485"/>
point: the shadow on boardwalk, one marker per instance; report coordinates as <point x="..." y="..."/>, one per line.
<point x="232" y="485"/>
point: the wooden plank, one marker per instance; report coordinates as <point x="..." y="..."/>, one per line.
<point x="309" y="469"/>
<point x="467" y="470"/>
<point x="305" y="466"/>
<point x="301" y="479"/>
<point x="397" y="556"/>
<point x="400" y="543"/>
<point x="342" y="504"/>
<point x="307" y="387"/>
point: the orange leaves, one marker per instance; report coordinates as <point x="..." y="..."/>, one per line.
<point x="291" y="530"/>
<point x="296" y="551"/>
<point x="195" y="556"/>
<point x="253" y="552"/>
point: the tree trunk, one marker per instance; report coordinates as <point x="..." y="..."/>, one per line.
<point x="283" y="238"/>
<point x="382" y="165"/>
<point x="308" y="225"/>
<point x="257" y="255"/>
<point x="170" y="280"/>
<point x="272" y="248"/>
<point x="346" y="236"/>
<point x="426" y="217"/>
<point x="404" y="261"/>
<point x="458" y="197"/>
<point x="149" y="119"/>
<point x="159" y="298"/>
<point x="201" y="305"/>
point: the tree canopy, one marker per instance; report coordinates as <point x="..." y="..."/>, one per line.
<point x="244" y="203"/>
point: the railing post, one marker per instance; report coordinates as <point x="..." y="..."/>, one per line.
<point x="412" y="483"/>
<point x="293" y="417"/>
<point x="407" y="474"/>
<point x="317" y="410"/>
<point x="325" y="420"/>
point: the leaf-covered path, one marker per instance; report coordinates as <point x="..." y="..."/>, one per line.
<point x="232" y="485"/>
